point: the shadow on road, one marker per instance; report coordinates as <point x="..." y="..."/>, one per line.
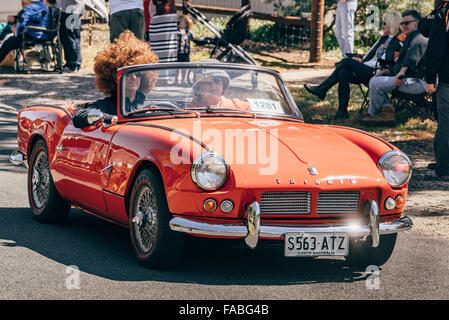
<point x="22" y="90"/>
<point x="103" y="249"/>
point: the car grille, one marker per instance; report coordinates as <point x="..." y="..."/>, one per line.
<point x="285" y="203"/>
<point x="300" y="203"/>
<point x="338" y="202"/>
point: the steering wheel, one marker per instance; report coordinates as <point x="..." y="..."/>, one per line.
<point x="165" y="104"/>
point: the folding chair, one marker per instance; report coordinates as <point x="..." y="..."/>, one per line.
<point x="422" y="105"/>
<point x="365" y="94"/>
<point x="50" y="50"/>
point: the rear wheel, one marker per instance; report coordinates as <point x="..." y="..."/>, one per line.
<point x="154" y="243"/>
<point x="45" y="202"/>
<point x="362" y="254"/>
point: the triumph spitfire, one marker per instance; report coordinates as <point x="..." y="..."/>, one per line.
<point x="223" y="152"/>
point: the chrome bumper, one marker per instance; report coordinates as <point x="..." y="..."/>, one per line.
<point x="253" y="230"/>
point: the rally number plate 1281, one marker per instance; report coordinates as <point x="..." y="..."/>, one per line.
<point x="301" y="244"/>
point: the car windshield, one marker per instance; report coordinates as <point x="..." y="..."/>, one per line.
<point x="151" y="90"/>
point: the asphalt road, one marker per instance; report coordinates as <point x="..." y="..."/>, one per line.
<point x="87" y="258"/>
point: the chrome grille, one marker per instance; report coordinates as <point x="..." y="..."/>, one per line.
<point x="338" y="202"/>
<point x="285" y="203"/>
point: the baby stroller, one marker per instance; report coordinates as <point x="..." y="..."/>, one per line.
<point x="226" y="42"/>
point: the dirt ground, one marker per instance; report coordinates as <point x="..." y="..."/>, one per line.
<point x="427" y="203"/>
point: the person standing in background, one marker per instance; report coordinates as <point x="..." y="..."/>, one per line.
<point x="344" y="25"/>
<point x="163" y="31"/>
<point x="185" y="36"/>
<point x="149" y="10"/>
<point x="437" y="80"/>
<point x="70" y="32"/>
<point x="126" y="14"/>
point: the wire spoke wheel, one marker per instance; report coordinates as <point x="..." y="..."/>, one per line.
<point x="45" y="202"/>
<point x="145" y="219"/>
<point x="40" y="180"/>
<point x="154" y="243"/>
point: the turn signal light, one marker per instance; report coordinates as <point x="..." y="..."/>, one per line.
<point x="399" y="202"/>
<point x="210" y="205"/>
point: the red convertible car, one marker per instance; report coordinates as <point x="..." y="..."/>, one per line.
<point x="221" y="151"/>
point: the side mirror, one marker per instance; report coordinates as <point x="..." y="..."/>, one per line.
<point x="94" y="116"/>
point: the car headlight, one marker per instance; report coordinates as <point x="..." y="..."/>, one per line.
<point x="209" y="171"/>
<point x="396" y="168"/>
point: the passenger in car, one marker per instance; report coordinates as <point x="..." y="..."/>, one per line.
<point x="209" y="90"/>
<point x="125" y="51"/>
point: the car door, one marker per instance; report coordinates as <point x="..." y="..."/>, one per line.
<point x="80" y="169"/>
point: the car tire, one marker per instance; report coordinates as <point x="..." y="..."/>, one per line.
<point x="155" y="244"/>
<point x="362" y="254"/>
<point x="45" y="202"/>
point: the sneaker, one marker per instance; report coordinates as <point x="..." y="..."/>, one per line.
<point x="316" y="91"/>
<point x="385" y="117"/>
<point x="69" y="70"/>
<point x="387" y="109"/>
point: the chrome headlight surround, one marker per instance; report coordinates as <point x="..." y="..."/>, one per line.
<point x="209" y="171"/>
<point x="396" y="168"/>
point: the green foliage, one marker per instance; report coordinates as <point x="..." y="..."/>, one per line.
<point x="261" y="30"/>
<point x="199" y="30"/>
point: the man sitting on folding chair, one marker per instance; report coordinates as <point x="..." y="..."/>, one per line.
<point x="408" y="72"/>
<point x="382" y="54"/>
<point x="36" y="14"/>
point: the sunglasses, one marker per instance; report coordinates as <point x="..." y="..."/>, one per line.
<point x="135" y="75"/>
<point x="406" y="23"/>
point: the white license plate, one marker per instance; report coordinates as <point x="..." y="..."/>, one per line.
<point x="316" y="244"/>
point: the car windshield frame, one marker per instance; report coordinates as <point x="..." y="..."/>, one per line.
<point x="295" y="112"/>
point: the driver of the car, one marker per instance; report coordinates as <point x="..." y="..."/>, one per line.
<point x="125" y="51"/>
<point x="137" y="85"/>
<point x="209" y="89"/>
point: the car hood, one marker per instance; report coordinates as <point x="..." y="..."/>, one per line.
<point x="267" y="151"/>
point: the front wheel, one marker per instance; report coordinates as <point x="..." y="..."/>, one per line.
<point x="362" y="254"/>
<point x="45" y="202"/>
<point x="154" y="243"/>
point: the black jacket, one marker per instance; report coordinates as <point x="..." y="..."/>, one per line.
<point x="107" y="105"/>
<point x="109" y="108"/>
<point x="437" y="55"/>
<point x="412" y="56"/>
<point x="394" y="46"/>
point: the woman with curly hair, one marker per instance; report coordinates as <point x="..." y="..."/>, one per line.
<point x="127" y="50"/>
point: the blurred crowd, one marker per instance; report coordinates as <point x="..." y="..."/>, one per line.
<point x="155" y="21"/>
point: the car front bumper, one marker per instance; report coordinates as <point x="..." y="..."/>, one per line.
<point x="253" y="230"/>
